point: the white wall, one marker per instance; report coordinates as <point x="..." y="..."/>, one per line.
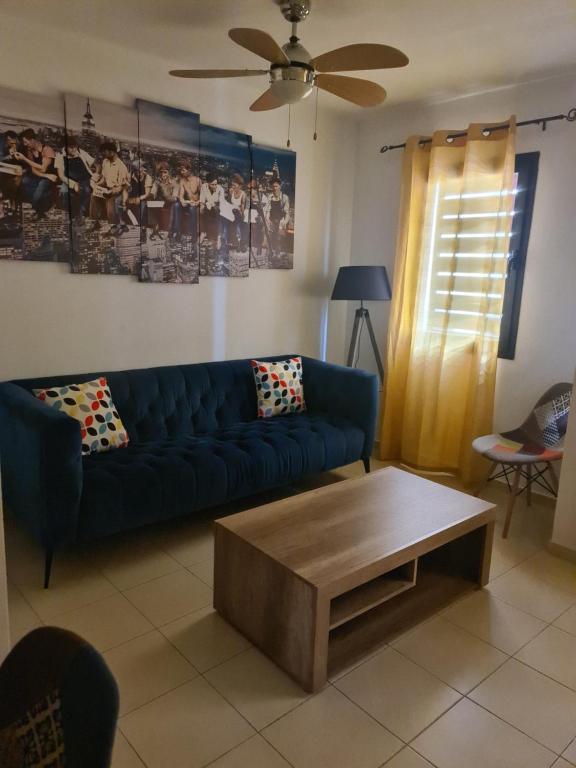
<point x="546" y="348"/>
<point x="54" y="322"/>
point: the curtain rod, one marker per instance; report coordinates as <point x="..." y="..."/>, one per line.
<point x="543" y="121"/>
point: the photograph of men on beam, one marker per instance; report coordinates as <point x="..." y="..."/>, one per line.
<point x="272" y="195"/>
<point x="169" y="195"/>
<point x="34" y="221"/>
<point x="224" y="202"/>
<point x="102" y="176"/>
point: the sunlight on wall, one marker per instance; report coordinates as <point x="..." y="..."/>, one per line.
<point x="325" y="274"/>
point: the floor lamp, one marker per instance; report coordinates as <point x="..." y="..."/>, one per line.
<point x="362" y="284"/>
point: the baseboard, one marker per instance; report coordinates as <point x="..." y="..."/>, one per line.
<point x="564" y="552"/>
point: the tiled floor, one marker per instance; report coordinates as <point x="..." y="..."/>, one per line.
<point x="490" y="682"/>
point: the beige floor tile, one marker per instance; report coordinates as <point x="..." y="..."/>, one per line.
<point x="346" y="668"/>
<point x="186" y="728"/>
<point x="106" y="623"/>
<point x="531" y="702"/>
<point x="24" y="558"/>
<point x="146" y="668"/>
<point x="523" y="590"/>
<point x="553" y="653"/>
<point x="130" y="561"/>
<point x="468" y="736"/>
<point x="170" y="597"/>
<point x="561" y="763"/>
<point x="507" y="553"/>
<point x="72" y="585"/>
<point x="450" y="653"/>
<point x="494" y="621"/>
<point x="21" y="616"/>
<point x="330" y="730"/>
<point x="570" y="753"/>
<point x="398" y="693"/>
<point x="205" y="639"/>
<point x="254" y="753"/>
<point x="204" y="571"/>
<point x="256" y="687"/>
<point x="188" y="543"/>
<point x="553" y="570"/>
<point x="123" y="756"/>
<point x="567" y="621"/>
<point x="407" y="758"/>
<point x="499" y="565"/>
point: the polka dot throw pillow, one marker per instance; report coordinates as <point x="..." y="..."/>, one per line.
<point x="279" y="387"/>
<point x="91" y="404"/>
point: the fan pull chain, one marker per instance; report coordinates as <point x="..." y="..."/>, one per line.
<point x="288" y="141"/>
<point x="316" y="116"/>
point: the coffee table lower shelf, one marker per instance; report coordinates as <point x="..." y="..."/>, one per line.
<point x="352" y="641"/>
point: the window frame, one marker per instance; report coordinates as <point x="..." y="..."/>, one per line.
<point x="526" y="166"/>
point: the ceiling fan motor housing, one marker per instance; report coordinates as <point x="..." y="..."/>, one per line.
<point x="294" y="10"/>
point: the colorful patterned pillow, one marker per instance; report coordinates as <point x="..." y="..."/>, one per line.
<point x="553" y="417"/>
<point x="279" y="387"/>
<point x="91" y="404"/>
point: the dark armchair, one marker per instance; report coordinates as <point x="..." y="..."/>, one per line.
<point x="58" y="703"/>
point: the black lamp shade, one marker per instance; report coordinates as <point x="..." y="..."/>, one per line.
<point x="362" y="283"/>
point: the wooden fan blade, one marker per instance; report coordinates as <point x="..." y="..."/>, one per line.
<point x="266" y="101"/>
<point x="364" y="93"/>
<point x="259" y="43"/>
<point x="360" y="56"/>
<point x="217" y="72"/>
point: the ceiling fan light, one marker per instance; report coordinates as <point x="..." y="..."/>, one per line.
<point x="291" y="84"/>
<point x="291" y="91"/>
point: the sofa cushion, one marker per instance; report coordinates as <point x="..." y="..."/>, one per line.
<point x="160" y="479"/>
<point x="91" y="404"/>
<point x="278" y="386"/>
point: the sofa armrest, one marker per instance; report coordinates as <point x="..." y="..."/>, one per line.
<point x="347" y="392"/>
<point x="41" y="465"/>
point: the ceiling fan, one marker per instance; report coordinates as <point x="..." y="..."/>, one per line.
<point x="294" y="73"/>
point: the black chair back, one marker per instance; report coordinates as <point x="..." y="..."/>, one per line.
<point x="58" y="703"/>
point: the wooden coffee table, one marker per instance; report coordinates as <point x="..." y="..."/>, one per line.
<point x="318" y="579"/>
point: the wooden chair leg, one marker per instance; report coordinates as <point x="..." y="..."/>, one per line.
<point x="554" y="476"/>
<point x="511" y="501"/>
<point x="529" y="485"/>
<point x="480" y="487"/>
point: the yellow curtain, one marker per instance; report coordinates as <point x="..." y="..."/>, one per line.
<point x="456" y="215"/>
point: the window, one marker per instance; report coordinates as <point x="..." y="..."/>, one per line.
<point x="527" y="174"/>
<point x="473" y="284"/>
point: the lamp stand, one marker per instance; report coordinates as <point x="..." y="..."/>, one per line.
<point x="363" y="314"/>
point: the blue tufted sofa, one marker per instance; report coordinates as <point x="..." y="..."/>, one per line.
<point x="195" y="443"/>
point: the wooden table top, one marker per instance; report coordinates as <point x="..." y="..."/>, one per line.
<point x="335" y="531"/>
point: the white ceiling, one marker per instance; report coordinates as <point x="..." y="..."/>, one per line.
<point x="455" y="47"/>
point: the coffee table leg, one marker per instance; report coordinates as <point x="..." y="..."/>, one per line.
<point x="280" y="613"/>
<point x="319" y="670"/>
<point x="486" y="554"/>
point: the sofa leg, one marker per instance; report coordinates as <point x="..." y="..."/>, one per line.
<point x="48" y="567"/>
<point x="366" y="463"/>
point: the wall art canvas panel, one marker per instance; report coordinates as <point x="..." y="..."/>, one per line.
<point x="169" y="193"/>
<point x="34" y="221"/>
<point x="272" y="193"/>
<point x="224" y="202"/>
<point x="102" y="176"/>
